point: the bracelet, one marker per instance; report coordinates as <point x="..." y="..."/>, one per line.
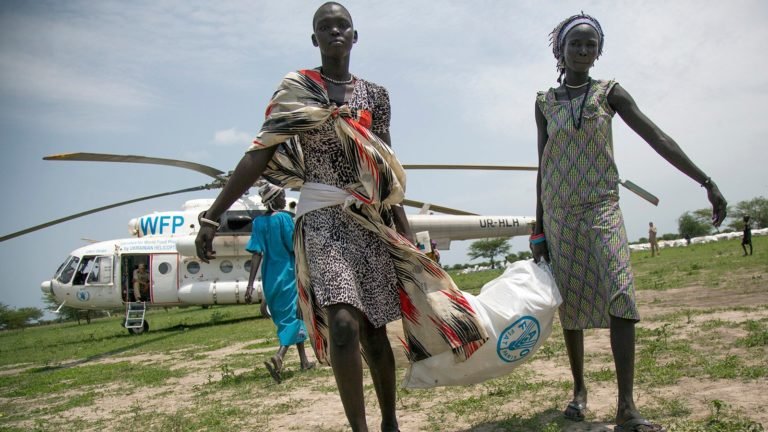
<point x="707" y="182"/>
<point x="538" y="238"/>
<point x="208" y="221"/>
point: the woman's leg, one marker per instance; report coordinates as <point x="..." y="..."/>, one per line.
<point x="623" y="347"/>
<point x="381" y="360"/>
<point x="277" y="359"/>
<point x="574" y="344"/>
<point x="344" y="330"/>
<point x="305" y="363"/>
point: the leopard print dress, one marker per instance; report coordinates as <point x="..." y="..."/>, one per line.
<point x="347" y="263"/>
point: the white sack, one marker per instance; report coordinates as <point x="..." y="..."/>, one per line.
<point x="517" y="310"/>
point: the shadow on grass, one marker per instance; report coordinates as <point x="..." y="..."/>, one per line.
<point x="549" y="420"/>
<point x="182" y="326"/>
<point x="141" y="340"/>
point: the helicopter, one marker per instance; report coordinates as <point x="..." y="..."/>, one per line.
<point x="101" y="275"/>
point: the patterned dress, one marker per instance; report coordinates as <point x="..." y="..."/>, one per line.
<point x="350" y="253"/>
<point x="585" y="230"/>
<point x="347" y="263"/>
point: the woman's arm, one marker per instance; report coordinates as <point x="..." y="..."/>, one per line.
<point x="621" y="102"/>
<point x="248" y="170"/>
<point x="540" y="250"/>
<point x="255" y="264"/>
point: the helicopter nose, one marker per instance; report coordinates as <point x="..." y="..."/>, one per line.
<point x="45" y="287"/>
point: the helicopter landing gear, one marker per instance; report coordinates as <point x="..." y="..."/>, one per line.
<point x="139" y="330"/>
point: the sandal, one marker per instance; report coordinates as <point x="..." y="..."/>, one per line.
<point x="575" y="411"/>
<point x="638" y="425"/>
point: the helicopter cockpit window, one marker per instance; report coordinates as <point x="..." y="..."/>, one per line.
<point x="83" y="270"/>
<point x="67" y="270"/>
<point x="101" y="271"/>
<point x="226" y="266"/>
<point x="193" y="267"/>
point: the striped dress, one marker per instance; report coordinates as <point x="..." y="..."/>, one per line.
<point x="582" y="220"/>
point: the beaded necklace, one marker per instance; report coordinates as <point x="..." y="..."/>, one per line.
<point x="583" y="103"/>
<point x="334" y="81"/>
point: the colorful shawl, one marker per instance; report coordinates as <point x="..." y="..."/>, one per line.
<point x="436" y="317"/>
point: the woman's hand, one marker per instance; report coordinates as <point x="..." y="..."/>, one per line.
<point x="540" y="250"/>
<point x="204" y="242"/>
<point x="249" y="295"/>
<point x="719" y="205"/>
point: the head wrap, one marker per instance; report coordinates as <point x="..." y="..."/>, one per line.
<point x="557" y="36"/>
<point x="268" y="192"/>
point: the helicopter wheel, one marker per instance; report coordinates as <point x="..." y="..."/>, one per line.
<point x="138" y="331"/>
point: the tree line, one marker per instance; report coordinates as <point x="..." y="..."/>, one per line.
<point x="698" y="223"/>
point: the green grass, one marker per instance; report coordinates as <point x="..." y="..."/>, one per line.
<point x="52" y="377"/>
<point x="707" y="265"/>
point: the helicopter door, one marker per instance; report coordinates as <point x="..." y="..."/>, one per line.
<point x="98" y="282"/>
<point x="165" y="278"/>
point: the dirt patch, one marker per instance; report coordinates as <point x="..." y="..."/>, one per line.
<point x="310" y="402"/>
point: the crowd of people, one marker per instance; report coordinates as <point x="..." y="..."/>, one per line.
<point x="349" y="260"/>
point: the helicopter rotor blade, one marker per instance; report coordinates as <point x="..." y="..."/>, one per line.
<point x="470" y="167"/>
<point x="642" y="193"/>
<point x="96" y="210"/>
<point x="104" y="157"/>
<point x="437" y="208"/>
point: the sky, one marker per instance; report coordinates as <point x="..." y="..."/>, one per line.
<point x="189" y="80"/>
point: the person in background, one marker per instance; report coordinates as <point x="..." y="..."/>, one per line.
<point x="746" y="238"/>
<point x="579" y="225"/>
<point x="271" y="244"/>
<point x="434" y="254"/>
<point x="652" y="239"/>
<point x="141" y="283"/>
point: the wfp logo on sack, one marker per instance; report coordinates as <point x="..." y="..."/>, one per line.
<point x="519" y="339"/>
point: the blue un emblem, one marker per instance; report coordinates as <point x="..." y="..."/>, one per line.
<point x="83" y="295"/>
<point x="517" y="340"/>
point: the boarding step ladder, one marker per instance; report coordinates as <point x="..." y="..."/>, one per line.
<point x="134" y="315"/>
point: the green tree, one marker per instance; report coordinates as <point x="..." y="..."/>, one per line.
<point x="695" y="224"/>
<point x="11" y="318"/>
<point x="489" y="248"/>
<point x="756" y="208"/>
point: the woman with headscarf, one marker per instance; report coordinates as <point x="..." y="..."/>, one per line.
<point x="271" y="244"/>
<point x="327" y="132"/>
<point x="579" y="225"/>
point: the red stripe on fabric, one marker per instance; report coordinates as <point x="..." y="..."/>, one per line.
<point x="405" y="345"/>
<point x="314" y="76"/>
<point x="471" y="347"/>
<point x="407" y="307"/>
<point x="459" y="299"/>
<point x="269" y="109"/>
<point x="432" y="267"/>
<point x="358" y="127"/>
<point x="366" y="118"/>
<point x="367" y="159"/>
<point x="318" y="342"/>
<point x="453" y="339"/>
<point x="360" y="197"/>
<point x="303" y="295"/>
